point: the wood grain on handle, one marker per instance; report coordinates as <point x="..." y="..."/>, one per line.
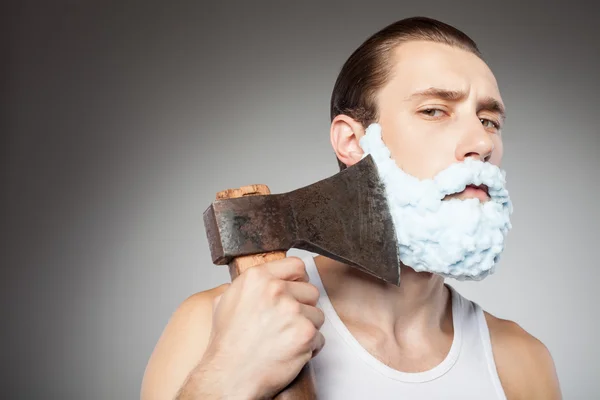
<point x="303" y="386"/>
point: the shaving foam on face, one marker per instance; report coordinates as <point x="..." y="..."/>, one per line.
<point x="461" y="239"/>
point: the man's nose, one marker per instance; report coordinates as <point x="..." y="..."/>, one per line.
<point x="475" y="142"/>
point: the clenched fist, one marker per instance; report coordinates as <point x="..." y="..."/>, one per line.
<point x="266" y="327"/>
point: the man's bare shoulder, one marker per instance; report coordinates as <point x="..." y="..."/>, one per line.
<point x="200" y="302"/>
<point x="180" y="346"/>
<point x="525" y="366"/>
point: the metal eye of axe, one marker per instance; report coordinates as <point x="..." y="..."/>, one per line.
<point x="345" y="217"/>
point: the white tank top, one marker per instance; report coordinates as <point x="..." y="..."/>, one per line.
<point x="344" y="370"/>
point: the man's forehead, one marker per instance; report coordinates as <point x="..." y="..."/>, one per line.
<point x="420" y="65"/>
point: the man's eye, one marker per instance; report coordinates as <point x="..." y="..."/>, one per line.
<point x="431" y="112"/>
<point x="489" y="123"/>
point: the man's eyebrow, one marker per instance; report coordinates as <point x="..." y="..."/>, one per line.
<point x="487" y="104"/>
<point x="444" y="94"/>
<point x="493" y="105"/>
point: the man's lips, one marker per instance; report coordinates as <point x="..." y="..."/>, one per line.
<point x="472" y="192"/>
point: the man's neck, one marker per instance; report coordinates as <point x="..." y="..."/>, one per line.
<point x="417" y="311"/>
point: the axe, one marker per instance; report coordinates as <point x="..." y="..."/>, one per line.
<point x="345" y="217"/>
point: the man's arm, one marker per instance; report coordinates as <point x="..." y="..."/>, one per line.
<point x="525" y="366"/>
<point x="180" y="347"/>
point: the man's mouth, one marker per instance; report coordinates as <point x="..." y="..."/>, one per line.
<point x="480" y="192"/>
<point x="476" y="191"/>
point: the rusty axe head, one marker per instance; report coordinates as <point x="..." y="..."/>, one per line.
<point x="345" y="217"/>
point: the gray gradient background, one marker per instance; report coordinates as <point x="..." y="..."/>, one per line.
<point x="121" y="121"/>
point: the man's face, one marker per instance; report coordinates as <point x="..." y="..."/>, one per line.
<point x="441" y="105"/>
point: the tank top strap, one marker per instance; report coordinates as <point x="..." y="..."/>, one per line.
<point x="477" y="334"/>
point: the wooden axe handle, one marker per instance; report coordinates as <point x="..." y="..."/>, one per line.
<point x="303" y="386"/>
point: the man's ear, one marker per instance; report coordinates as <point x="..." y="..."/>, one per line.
<point x="345" y="134"/>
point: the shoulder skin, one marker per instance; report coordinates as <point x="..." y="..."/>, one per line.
<point x="525" y="366"/>
<point x="180" y="347"/>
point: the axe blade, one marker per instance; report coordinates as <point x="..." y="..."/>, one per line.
<point x="345" y="217"/>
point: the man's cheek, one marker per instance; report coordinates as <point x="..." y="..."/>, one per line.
<point x="497" y="152"/>
<point x="433" y="162"/>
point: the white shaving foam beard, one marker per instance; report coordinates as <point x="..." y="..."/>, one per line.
<point x="460" y="239"/>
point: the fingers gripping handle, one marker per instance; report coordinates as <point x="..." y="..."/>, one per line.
<point x="303" y="386"/>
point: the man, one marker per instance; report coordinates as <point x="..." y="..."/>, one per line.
<point x="423" y="87"/>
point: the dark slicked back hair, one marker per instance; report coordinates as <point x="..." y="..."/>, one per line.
<point x="368" y="69"/>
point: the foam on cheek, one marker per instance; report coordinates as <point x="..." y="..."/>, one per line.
<point x="462" y="239"/>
